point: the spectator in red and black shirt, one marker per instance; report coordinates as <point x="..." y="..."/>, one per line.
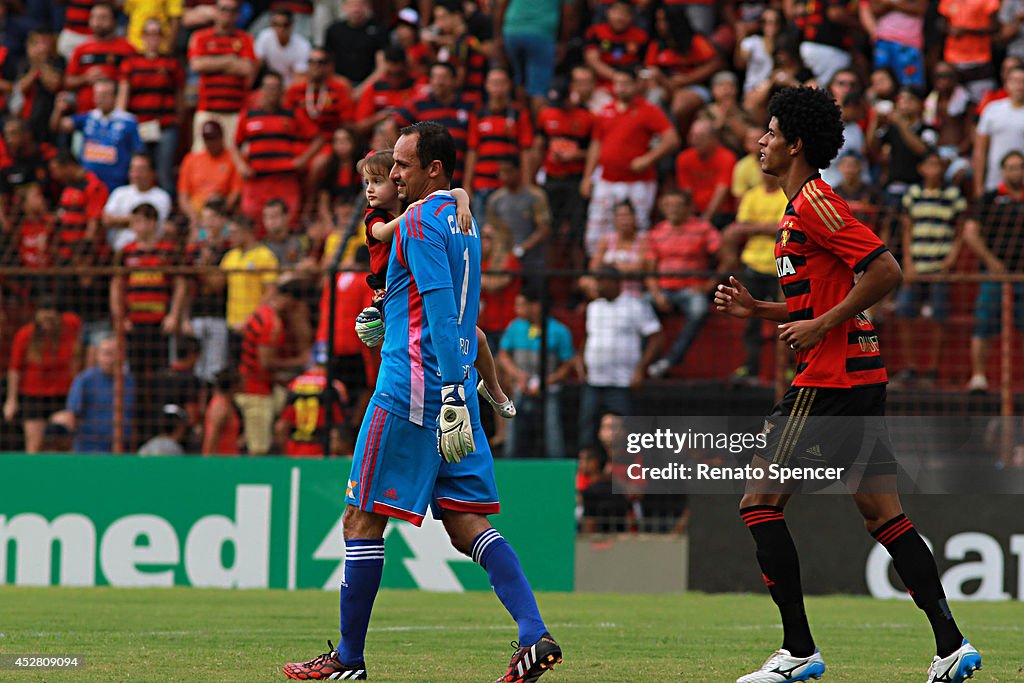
<point x="564" y="128"/>
<point x="147" y="302"/>
<point x="79" y="210"/>
<point x="304" y="419"/>
<point x="458" y="47"/>
<point x="444" y="105"/>
<point x="615" y="43"/>
<point x="78" y="241"/>
<point x="151" y="87"/>
<point x="45" y="357"/>
<point x="226" y="62"/>
<point x="97" y="59"/>
<point x="24" y="167"/>
<point x="39" y="80"/>
<point x="381" y="97"/>
<point x="500" y="130"/>
<point x="272" y="145"/>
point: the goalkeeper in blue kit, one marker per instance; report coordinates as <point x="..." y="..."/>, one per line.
<point x="424" y="405"/>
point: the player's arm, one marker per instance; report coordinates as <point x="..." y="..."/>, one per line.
<point x="734" y="299"/>
<point x="881" y="276"/>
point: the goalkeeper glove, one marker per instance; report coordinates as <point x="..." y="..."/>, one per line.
<point x="370" y="327"/>
<point x="454" y="430"/>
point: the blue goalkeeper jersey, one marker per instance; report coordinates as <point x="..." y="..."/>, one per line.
<point x="429" y="253"/>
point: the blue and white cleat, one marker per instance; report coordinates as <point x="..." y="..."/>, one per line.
<point x="782" y="666"/>
<point x="955" y="668"/>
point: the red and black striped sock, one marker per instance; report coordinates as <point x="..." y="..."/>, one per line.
<point x="915" y="565"/>
<point x="780" y="568"/>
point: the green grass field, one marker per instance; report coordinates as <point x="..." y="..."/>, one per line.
<point x="199" y="635"/>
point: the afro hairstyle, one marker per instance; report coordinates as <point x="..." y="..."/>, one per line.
<point x="813" y="116"/>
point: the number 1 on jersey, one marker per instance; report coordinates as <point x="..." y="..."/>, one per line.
<point x="465" y="284"/>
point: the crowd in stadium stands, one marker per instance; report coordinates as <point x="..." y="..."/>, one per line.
<point x="208" y="149"/>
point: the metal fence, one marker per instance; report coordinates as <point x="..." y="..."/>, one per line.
<point x="157" y="368"/>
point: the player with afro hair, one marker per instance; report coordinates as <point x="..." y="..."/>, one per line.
<point x="819" y="249"/>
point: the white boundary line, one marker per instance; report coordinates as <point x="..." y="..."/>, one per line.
<point x="293" y="529"/>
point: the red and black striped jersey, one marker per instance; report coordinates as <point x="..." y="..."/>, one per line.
<point x="272" y="139"/>
<point x="329" y="106"/>
<point x="455" y="116"/>
<point x="76" y="15"/>
<point x="263" y="328"/>
<point x="305" y="412"/>
<point x="147" y="291"/>
<point x="568" y="134"/>
<point x="220" y="92"/>
<point x="495" y="135"/>
<point x="379" y="251"/>
<point x="466" y="54"/>
<point x="105" y="54"/>
<point x="627" y="48"/>
<point x="380" y="95"/>
<point x="818" y="249"/>
<point x="80" y="202"/>
<point x="153" y="84"/>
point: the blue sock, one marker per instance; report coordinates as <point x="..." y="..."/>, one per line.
<point x="496" y="556"/>
<point x="364" y="564"/>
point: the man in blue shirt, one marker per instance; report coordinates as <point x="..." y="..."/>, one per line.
<point x="425" y="402"/>
<point x="519" y="355"/>
<point x="109" y="136"/>
<point x="90" y="406"/>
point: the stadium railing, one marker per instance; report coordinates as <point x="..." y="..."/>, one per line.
<point x="703" y="383"/>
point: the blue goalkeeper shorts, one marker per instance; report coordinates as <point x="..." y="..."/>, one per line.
<point x="397" y="471"/>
